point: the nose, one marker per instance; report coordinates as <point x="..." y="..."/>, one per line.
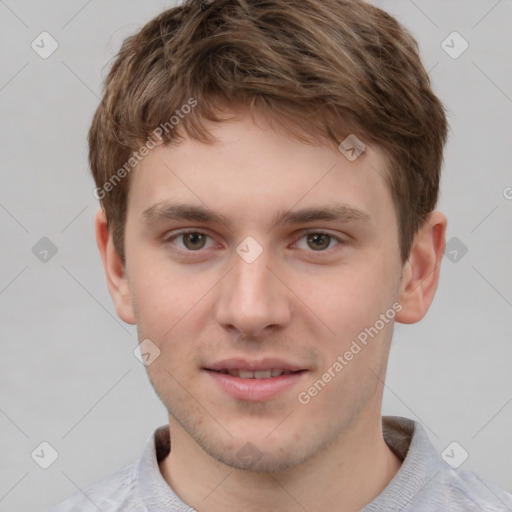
<point x="253" y="297"/>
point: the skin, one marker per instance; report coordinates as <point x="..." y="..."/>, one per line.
<point x="301" y="300"/>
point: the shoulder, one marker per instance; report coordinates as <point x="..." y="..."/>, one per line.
<point x="456" y="491"/>
<point x="116" y="492"/>
<point x="474" y="493"/>
<point x="426" y="483"/>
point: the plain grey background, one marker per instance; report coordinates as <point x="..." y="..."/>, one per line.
<point x="68" y="375"/>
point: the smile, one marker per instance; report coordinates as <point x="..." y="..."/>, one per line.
<point x="255" y="386"/>
<point x="260" y="374"/>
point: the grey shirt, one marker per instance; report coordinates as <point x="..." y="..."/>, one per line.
<point x="424" y="483"/>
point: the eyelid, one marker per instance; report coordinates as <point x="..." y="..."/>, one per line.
<point x="315" y="231"/>
<point x="297" y="236"/>
<point x="170" y="237"/>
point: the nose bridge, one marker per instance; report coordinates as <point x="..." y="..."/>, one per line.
<point x="251" y="278"/>
<point x="251" y="297"/>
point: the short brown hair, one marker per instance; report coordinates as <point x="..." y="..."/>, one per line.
<point x="322" y="68"/>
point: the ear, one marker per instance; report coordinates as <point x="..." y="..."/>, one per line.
<point x="420" y="274"/>
<point x="115" y="270"/>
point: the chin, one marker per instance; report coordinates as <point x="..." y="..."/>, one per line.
<point x="249" y="457"/>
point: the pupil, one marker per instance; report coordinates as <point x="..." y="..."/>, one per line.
<point x="315" y="238"/>
<point x="194" y="238"/>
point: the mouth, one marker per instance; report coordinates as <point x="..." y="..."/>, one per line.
<point x="259" y="374"/>
<point x="255" y="381"/>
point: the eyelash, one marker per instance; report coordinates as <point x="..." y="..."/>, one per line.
<point x="170" y="239"/>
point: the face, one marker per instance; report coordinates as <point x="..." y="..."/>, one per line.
<point x="258" y="265"/>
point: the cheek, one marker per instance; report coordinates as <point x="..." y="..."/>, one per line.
<point x="167" y="307"/>
<point x="162" y="296"/>
<point x="349" y="299"/>
<point x="351" y="303"/>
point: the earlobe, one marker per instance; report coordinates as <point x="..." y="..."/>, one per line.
<point x="420" y="274"/>
<point x="115" y="270"/>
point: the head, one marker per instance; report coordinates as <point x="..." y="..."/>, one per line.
<point x="221" y="118"/>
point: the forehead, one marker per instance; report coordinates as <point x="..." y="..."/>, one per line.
<point x="254" y="171"/>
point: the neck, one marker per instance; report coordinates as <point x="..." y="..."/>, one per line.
<point x="345" y="476"/>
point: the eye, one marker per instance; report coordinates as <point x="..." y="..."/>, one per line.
<point x="195" y="241"/>
<point x="318" y="241"/>
<point x="192" y="241"/>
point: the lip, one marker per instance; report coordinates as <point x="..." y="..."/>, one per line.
<point x="255" y="390"/>
<point x="253" y="365"/>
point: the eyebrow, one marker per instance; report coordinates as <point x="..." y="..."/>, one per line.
<point x="180" y="211"/>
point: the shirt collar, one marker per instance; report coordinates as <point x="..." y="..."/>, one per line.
<point x="405" y="437"/>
